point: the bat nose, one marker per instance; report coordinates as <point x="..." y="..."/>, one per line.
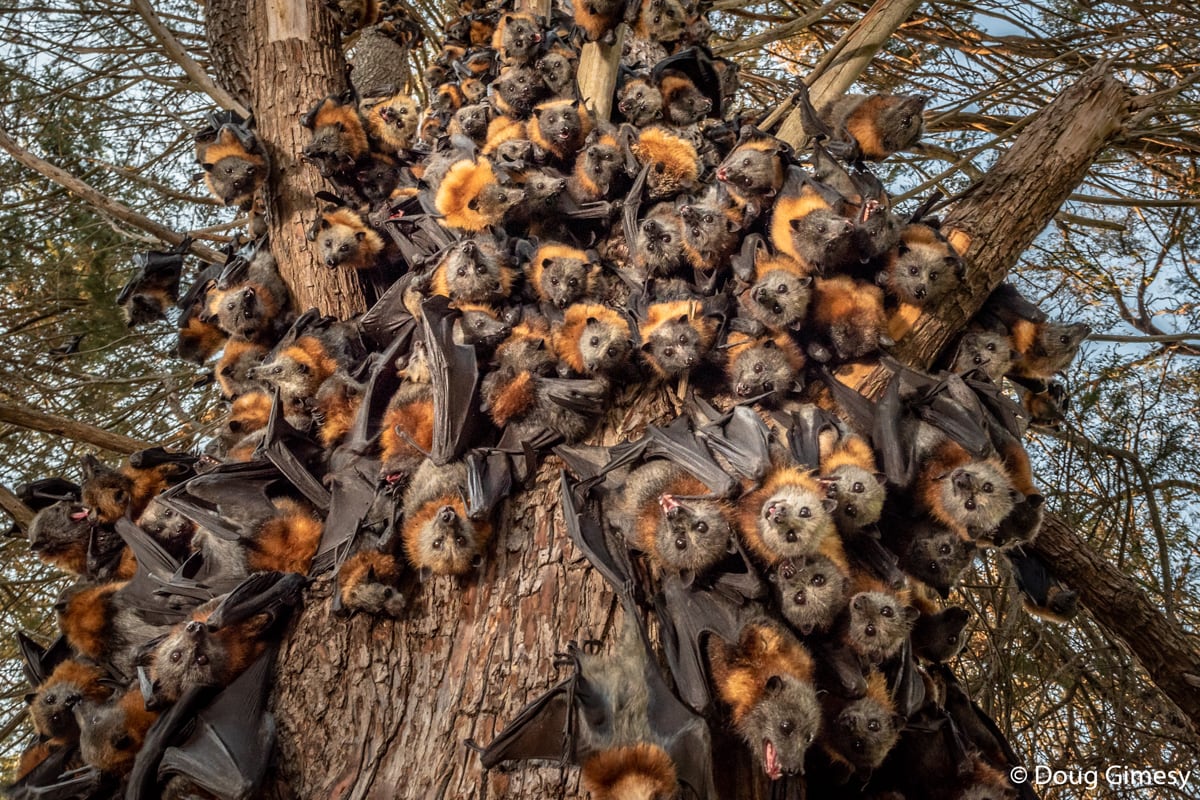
<point x="446" y="514"/>
<point x="195" y="628"/>
<point x="869" y="630"/>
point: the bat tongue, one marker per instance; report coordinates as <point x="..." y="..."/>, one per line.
<point x="771" y="760"/>
<point x="668" y="503"/>
<point x="79" y="516"/>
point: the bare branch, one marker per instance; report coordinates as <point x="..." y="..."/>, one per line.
<point x="13" y="414"/>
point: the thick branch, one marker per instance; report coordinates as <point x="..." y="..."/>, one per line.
<point x="176" y="52"/>
<point x="1116" y="601"/>
<point x="98" y="200"/>
<point x="855" y="51"/>
<point x="12" y="505"/>
<point x="76" y="431"/>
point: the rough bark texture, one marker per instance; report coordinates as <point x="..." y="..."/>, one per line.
<point x="281" y="55"/>
<point x="12" y="414"/>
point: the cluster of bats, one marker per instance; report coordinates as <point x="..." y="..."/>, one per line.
<point x="527" y="263"/>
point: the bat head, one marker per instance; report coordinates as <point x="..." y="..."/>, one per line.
<point x="521" y="38"/>
<point x="859" y="495"/>
<point x="59" y="528"/>
<point x="188" y="656"/>
<point x="879" y="624"/>
<point x="752" y="170"/>
<point x="480" y="328"/>
<point x="692" y="535"/>
<point x="1020" y="526"/>
<point x="1061" y="342"/>
<point x="603" y="346"/>
<point x="520" y="88"/>
<point x="923" y="273"/>
<point x="234" y="179"/>
<point x="865" y="732"/>
<point x="169" y="528"/>
<point x="984" y="350"/>
<point x="977" y="497"/>
<point x="779" y="299"/>
<point x="642" y="771"/>
<point x="558" y="72"/>
<point x="939" y="637"/>
<point x="446" y="541"/>
<point x="795" y="520"/>
<point x="51" y="707"/>
<point x="111" y="734"/>
<point x="782" y="725"/>
<point x="824" y="238"/>
<point x="901" y="122"/>
<point x="473" y="120"/>
<point x="106" y="492"/>
<point x="640" y="102"/>
<point x="937" y="556"/>
<point x="675" y="347"/>
<point x="876" y="231"/>
<point x="763" y="368"/>
<point x="812" y="592"/>
<point x="376" y="598"/>
<point x="565" y="277"/>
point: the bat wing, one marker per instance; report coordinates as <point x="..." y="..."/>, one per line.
<point x="272" y="593"/>
<point x="489" y="481"/>
<point x="697" y="63"/>
<point x="155" y="567"/>
<point x="888" y="435"/>
<point x="143" y="778"/>
<point x="684" y="735"/>
<point x="455" y="384"/>
<point x="37" y="662"/>
<point x="230" y="747"/>
<point x="47" y="781"/>
<point x="677" y="443"/>
<point x="866" y="548"/>
<point x="1001" y="409"/>
<point x="907" y="685"/>
<point x="45" y="492"/>
<point x="688" y="616"/>
<point x="585" y="529"/>
<point x="229" y="500"/>
<point x="807" y="426"/>
<point x="839" y="667"/>
<point x="544" y="729"/>
<point x="388" y="318"/>
<point x="742" y="439"/>
<point x="292" y="453"/>
<point x="630" y="208"/>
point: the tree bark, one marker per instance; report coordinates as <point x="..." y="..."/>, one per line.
<point x="22" y="417"/>
<point x="1168" y="653"/>
<point x="284" y="56"/>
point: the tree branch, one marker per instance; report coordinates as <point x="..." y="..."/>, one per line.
<point x="855" y="51"/>
<point x="22" y="514"/>
<point x="176" y="52"/>
<point x="13" y="414"/>
<point x="98" y="200"/>
<point x="778" y="32"/>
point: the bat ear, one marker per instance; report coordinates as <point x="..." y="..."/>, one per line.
<point x="830" y="504"/>
<point x="1035" y="500"/>
<point x="910" y="613"/>
<point x="360" y="235"/>
<point x="476" y="561"/>
<point x="30" y="697"/>
<point x="805" y="281"/>
<point x="774" y="684"/>
<point x="646" y="348"/>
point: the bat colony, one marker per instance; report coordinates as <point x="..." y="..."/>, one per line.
<point x="526" y="263"/>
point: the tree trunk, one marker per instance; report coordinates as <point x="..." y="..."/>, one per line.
<point x="283" y="57"/>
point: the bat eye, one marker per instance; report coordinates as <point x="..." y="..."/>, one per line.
<point x="669" y="351"/>
<point x="460" y="540"/>
<point x="701" y="527"/>
<point x="50" y="699"/>
<point x="887" y="611"/>
<point x="933" y="277"/>
<point x="818" y="580"/>
<point x="987" y="487"/>
<point x="1064" y="339"/>
<point x="758" y="368"/>
<point x="746" y="161"/>
<point x="202" y="660"/>
<point x="822" y="228"/>
<point x="175" y="656"/>
<point x="873" y="726"/>
<point x="781" y="289"/>
<point x="805" y="512"/>
<point x="594" y="341"/>
<point x="123" y="742"/>
<point x="944" y="549"/>
<point x="933" y="566"/>
<point x="682" y="339"/>
<point x="799" y="598"/>
<point x="554" y="281"/>
<point x="437" y="543"/>
<point x="952" y="638"/>
<point x="787" y="727"/>
<point x="913" y="270"/>
<point x="858" y="488"/>
<point x="990" y="347"/>
<point x="462" y="272"/>
<point x="906" y="121"/>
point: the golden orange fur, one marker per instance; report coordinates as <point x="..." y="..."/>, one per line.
<point x="741" y="672"/>
<point x="787" y="209"/>
<point x="678" y="158"/>
<point x="513" y="400"/>
<point x="287" y="541"/>
<point x="458" y="195"/>
<point x="565" y="339"/>
<point x="750" y="509"/>
<point x="85" y="621"/>
<point x="632" y="772"/>
<point x="354" y="135"/>
<point x="500" y="130"/>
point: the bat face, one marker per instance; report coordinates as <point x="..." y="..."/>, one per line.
<point x="706" y="228"/>
<point x="473" y="273"/>
<point x="1060" y="343"/>
<point x="779" y="299"/>
<point x="542" y="186"/>
<point x="865" y="732"/>
<point x="473" y="120"/>
<point x="938" y="556"/>
<point x="985" y="350"/>
<point x="691" y="535"/>
<point x="794" y="521"/>
<point x="240" y="312"/>
<point x="939" y="638"/>
<point x="859" y="495"/>
<point x="876" y="232"/>
<point x="52" y="709"/>
<point x="782" y="725"/>
<point x="106" y="495"/>
<point x="329" y="149"/>
<point x="812" y="592"/>
<point x="169" y="528"/>
<point x="659" y="242"/>
<point x="751" y="171"/>
<point x="674" y="348"/>
<point x="604" y="347"/>
<point x="824" y="238"/>
<point x="902" y="123"/>
<point x="448" y="542"/>
<point x="233" y="179"/>
<point x="59" y="528"/>
<point x="521" y="39"/>
<point x="879" y="624"/>
<point x="520" y="88"/>
<point x="557" y="71"/>
<point x="687" y="106"/>
<point x="187" y="657"/>
<point x="600" y="163"/>
<point x="761" y="369"/>
<point x="923" y="273"/>
<point x="562" y="126"/>
<point x="105" y="739"/>
<point x="293" y="378"/>
<point x="564" y="280"/>
<point x="1020" y="526"/>
<point x="640" y="102"/>
<point x="480" y="329"/>
<point x="977" y="497"/>
<point x="375" y="598"/>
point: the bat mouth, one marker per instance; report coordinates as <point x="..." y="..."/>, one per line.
<point x="669" y="504"/>
<point x="564" y="135"/>
<point x="392" y="478"/>
<point x="80" y="515"/>
<point x="771" y="760"/>
<point x="869" y="209"/>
